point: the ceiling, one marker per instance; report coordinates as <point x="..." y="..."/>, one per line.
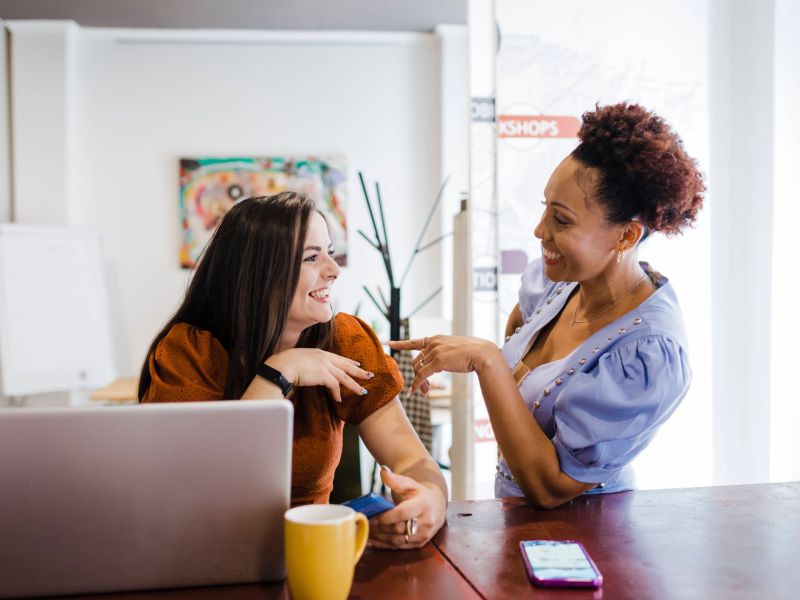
<point x="354" y="15"/>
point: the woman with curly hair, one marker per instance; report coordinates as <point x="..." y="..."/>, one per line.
<point x="595" y="358"/>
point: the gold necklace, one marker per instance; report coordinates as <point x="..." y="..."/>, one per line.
<point x="594" y="318"/>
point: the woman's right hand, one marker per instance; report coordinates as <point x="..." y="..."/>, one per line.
<point x="456" y="354"/>
<point x="312" y="366"/>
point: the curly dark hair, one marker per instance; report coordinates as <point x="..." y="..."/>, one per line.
<point x="644" y="171"/>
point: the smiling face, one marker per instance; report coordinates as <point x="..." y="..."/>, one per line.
<point x="578" y="243"/>
<point x="311" y="303"/>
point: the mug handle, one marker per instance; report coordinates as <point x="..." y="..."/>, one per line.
<point x="362" y="533"/>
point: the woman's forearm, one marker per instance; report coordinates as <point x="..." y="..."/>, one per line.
<point x="261" y="389"/>
<point x="426" y="472"/>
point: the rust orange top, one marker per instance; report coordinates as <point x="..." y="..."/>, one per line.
<point x="191" y="365"/>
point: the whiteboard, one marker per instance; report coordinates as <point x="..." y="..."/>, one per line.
<point x="55" y="329"/>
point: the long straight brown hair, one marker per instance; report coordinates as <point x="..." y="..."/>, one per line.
<point x="243" y="286"/>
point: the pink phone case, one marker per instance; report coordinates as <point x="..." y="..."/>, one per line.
<point x="595" y="582"/>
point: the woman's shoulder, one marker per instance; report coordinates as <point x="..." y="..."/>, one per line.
<point x="349" y="330"/>
<point x="654" y="330"/>
<point x="661" y="313"/>
<point x="355" y="339"/>
<point x="606" y="413"/>
<point x="643" y="350"/>
<point x="651" y="348"/>
<point x="184" y="341"/>
<point x="633" y="384"/>
<point x="189" y="364"/>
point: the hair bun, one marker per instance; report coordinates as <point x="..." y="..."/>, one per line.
<point x="644" y="171"/>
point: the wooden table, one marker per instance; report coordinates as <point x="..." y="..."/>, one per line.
<point x="717" y="542"/>
<point x="737" y="542"/>
<point x="380" y="574"/>
<point x="122" y="389"/>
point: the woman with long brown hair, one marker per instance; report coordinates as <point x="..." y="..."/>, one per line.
<point x="257" y="323"/>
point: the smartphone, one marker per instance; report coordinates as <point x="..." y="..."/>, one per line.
<point x="565" y="563"/>
<point x="369" y="505"/>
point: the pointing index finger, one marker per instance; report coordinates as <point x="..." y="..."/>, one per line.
<point x="406" y="344"/>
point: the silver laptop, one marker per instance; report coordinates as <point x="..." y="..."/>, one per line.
<point x="114" y="498"/>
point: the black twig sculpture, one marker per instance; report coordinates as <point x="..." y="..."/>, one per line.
<point x="391" y="309"/>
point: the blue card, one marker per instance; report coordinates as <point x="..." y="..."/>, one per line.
<point x="369" y="505"/>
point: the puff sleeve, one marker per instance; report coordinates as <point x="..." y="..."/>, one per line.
<point x="356" y="340"/>
<point x="188" y="365"/>
<point x="607" y="415"/>
<point x="532" y="286"/>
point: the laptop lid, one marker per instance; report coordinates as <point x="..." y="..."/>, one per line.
<point x="96" y="499"/>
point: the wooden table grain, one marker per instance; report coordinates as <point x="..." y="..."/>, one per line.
<point x="733" y="542"/>
<point x="736" y="542"/>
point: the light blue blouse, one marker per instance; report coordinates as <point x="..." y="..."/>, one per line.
<point x="603" y="403"/>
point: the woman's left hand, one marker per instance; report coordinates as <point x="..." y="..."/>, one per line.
<point x="419" y="514"/>
<point x="457" y="354"/>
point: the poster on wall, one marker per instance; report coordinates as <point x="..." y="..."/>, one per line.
<point x="209" y="187"/>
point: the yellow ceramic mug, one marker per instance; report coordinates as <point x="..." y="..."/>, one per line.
<point x="323" y="545"/>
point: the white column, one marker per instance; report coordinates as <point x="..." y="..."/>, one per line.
<point x="741" y="186"/>
<point x="463" y="448"/>
<point x="41" y="103"/>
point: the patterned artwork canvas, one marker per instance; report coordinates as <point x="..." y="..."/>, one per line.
<point x="209" y="187"/>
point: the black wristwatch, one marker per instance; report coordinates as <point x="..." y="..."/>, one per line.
<point x="275" y="377"/>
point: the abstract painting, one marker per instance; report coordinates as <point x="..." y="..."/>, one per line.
<point x="209" y="187"/>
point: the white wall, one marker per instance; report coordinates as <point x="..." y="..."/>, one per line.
<point x="481" y="319"/>
<point x="741" y="184"/>
<point x="455" y="144"/>
<point x="41" y="61"/>
<point x="5" y="141"/>
<point x="785" y="396"/>
<point x="143" y="99"/>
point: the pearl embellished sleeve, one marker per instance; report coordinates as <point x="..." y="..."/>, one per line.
<point x="533" y="286"/>
<point x="609" y="414"/>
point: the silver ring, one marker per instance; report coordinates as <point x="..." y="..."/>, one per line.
<point x="421" y="363"/>
<point x="411" y="527"/>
